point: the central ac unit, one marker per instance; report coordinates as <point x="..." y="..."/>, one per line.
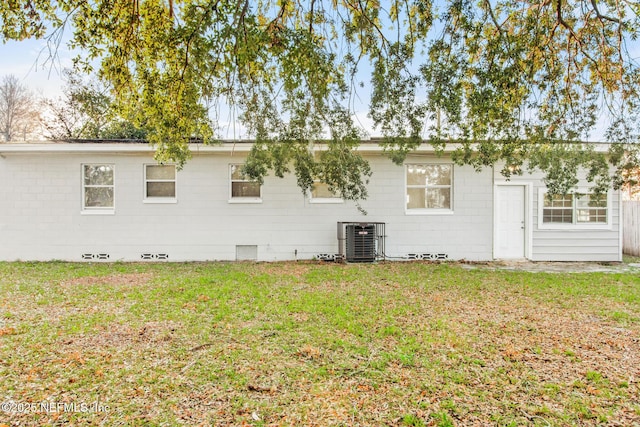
<point x="361" y="242"/>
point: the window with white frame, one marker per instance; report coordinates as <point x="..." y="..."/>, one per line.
<point x="429" y="187"/>
<point x="321" y="193"/>
<point x="558" y="209"/>
<point x="160" y="183"/>
<point x="574" y="209"/>
<point x="243" y="188"/>
<point x="591" y="208"/>
<point x="98" y="187"/>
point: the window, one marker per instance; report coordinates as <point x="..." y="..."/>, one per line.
<point x="558" y="208"/>
<point x="429" y="187"/>
<point x="98" y="187"/>
<point x="320" y="193"/>
<point x="591" y="208"/>
<point x="160" y="183"/>
<point x="573" y="210"/>
<point x="242" y="188"/>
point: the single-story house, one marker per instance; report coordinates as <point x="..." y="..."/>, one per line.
<point x="111" y="201"/>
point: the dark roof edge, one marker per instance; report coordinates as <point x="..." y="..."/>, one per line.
<point x="371" y="140"/>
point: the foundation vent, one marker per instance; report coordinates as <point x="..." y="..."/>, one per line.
<point x="87" y="257"/>
<point x="428" y="257"/>
<point x="151" y="257"/>
<point x="328" y="257"/>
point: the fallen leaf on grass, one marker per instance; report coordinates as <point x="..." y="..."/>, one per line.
<point x="309" y="352"/>
<point x="592" y="390"/>
<point x="261" y="389"/>
<point x="7" y="331"/>
<point x="74" y="357"/>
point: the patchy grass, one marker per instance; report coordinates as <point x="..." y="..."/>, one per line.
<point x="403" y="344"/>
<point x="629" y="259"/>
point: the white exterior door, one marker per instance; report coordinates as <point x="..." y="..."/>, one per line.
<point x="510" y="221"/>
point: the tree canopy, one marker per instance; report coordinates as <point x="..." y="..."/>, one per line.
<point x="518" y="83"/>
<point x="85" y="111"/>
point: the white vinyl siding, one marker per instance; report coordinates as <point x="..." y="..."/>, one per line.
<point x="579" y="241"/>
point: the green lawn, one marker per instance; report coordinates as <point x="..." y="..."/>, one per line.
<point x="316" y="345"/>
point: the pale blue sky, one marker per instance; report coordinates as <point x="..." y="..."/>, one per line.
<point x="29" y="61"/>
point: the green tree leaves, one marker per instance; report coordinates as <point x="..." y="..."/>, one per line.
<point x="512" y="83"/>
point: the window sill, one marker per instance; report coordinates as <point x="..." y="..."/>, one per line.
<point x="328" y="200"/>
<point x="160" y="200"/>
<point x="429" y="212"/>
<point x="98" y="212"/>
<point x="245" y="200"/>
<point x="576" y="227"/>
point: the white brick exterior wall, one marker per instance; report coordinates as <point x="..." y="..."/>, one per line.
<point x="41" y="214"/>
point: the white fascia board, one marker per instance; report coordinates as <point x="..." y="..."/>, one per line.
<point x="89" y="147"/>
<point x="224" y="147"/>
<point x="426" y="147"/>
<point x="375" y="147"/>
<point x="75" y="148"/>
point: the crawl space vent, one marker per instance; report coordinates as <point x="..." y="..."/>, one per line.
<point x="428" y="257"/>
<point x="327" y="257"/>
<point x="87" y="257"/>
<point x="154" y="256"/>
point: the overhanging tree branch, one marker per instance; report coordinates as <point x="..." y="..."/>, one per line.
<point x="600" y="16"/>
<point x="497" y="69"/>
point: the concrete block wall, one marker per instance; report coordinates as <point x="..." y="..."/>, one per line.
<point x="41" y="212"/>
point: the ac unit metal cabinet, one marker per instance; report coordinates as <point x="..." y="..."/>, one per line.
<point x="361" y="242"/>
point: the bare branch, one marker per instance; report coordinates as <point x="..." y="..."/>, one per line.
<point x="489" y="9"/>
<point x="313" y="2"/>
<point x="601" y="16"/>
